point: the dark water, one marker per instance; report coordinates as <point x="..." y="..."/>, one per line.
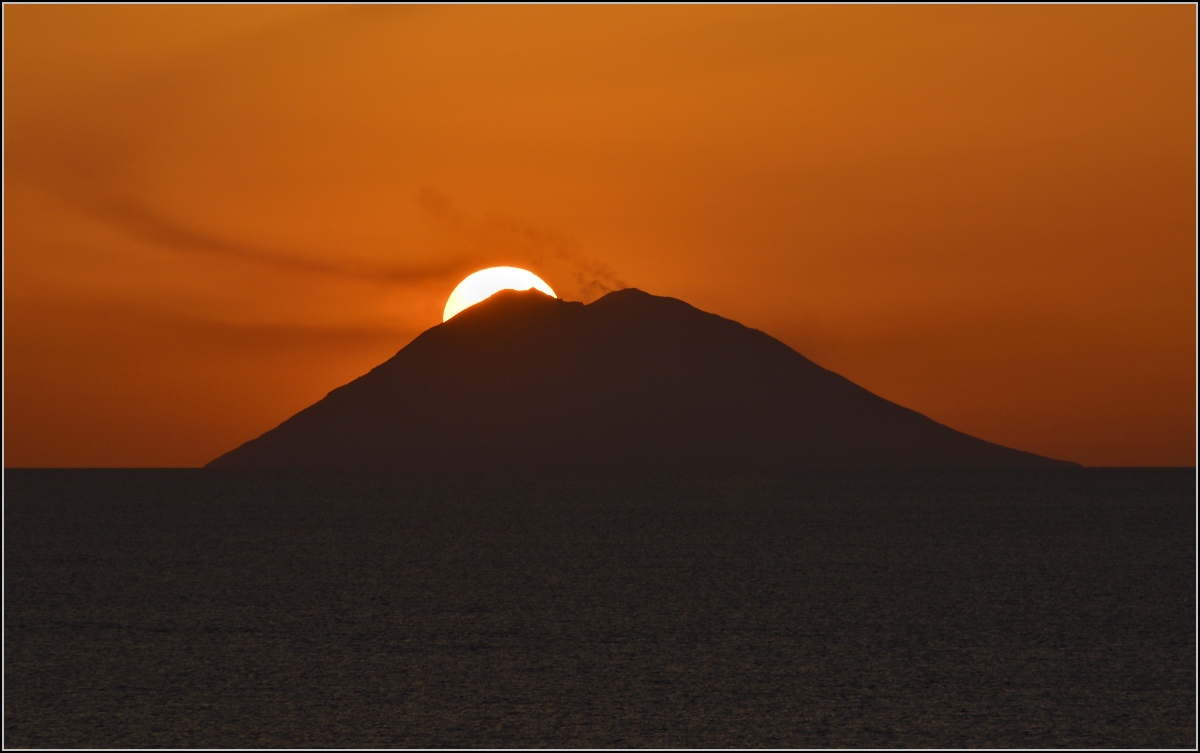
<point x="185" y="608"/>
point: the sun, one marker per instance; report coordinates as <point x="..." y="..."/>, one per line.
<point x="486" y="282"/>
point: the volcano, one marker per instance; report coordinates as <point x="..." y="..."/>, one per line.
<point x="631" y="382"/>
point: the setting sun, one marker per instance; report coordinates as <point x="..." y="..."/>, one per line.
<point x="487" y="282"/>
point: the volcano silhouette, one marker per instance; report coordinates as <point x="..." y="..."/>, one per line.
<point x="630" y="382"/>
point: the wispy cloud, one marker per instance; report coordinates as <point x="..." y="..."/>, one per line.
<point x="575" y="274"/>
<point x="140" y="222"/>
<point x="93" y="157"/>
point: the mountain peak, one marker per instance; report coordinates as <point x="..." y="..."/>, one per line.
<point x="626" y="294"/>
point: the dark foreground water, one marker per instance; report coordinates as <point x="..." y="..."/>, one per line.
<point x="192" y="608"/>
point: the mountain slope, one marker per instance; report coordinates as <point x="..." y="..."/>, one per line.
<point x="630" y="382"/>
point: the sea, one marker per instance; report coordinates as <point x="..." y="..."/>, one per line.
<point x="197" y="608"/>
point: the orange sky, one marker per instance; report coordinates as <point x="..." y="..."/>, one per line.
<point x="215" y="215"/>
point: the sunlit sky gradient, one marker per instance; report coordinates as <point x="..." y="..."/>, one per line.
<point x="215" y="215"/>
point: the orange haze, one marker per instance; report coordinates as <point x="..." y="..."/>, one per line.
<point x="215" y="215"/>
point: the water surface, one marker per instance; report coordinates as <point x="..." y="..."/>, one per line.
<point x="221" y="609"/>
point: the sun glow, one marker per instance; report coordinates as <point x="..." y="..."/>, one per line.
<point x="487" y="282"/>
